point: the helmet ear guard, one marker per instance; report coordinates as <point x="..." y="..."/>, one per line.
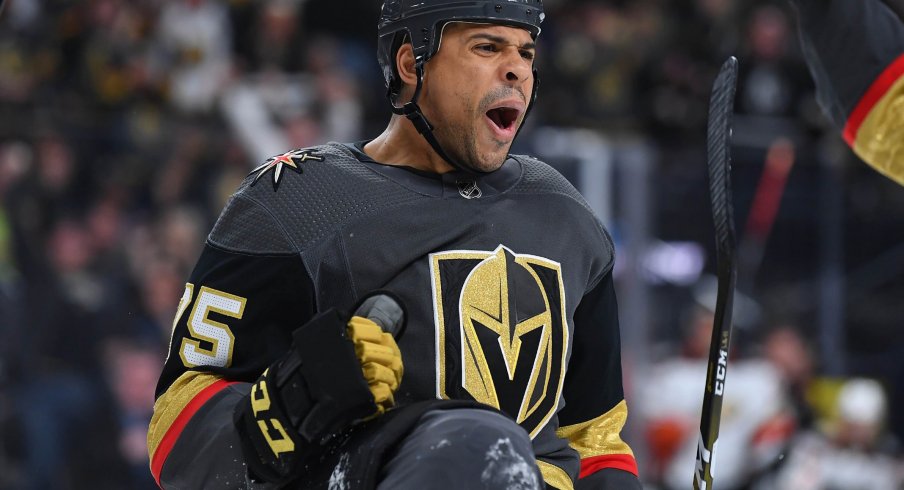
<point x="421" y="23"/>
<point x="389" y="66"/>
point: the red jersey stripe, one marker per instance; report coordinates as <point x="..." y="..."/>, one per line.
<point x="876" y="91"/>
<point x="624" y="462"/>
<point x="175" y="430"/>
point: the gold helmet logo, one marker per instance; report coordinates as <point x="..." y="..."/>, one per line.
<point x="510" y="331"/>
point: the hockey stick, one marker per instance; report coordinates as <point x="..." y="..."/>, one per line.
<point x="718" y="137"/>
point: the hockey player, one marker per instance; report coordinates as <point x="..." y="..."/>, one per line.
<point x="510" y="352"/>
<point x="855" y="51"/>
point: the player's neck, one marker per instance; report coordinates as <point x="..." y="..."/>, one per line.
<point x="401" y="144"/>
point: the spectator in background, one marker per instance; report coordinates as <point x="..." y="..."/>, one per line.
<point x="598" y="52"/>
<point x="756" y="420"/>
<point x="271" y="110"/>
<point x="775" y="97"/>
<point x="182" y="178"/>
<point x="45" y="193"/>
<point x="15" y="159"/>
<point x="180" y="231"/>
<point x="769" y="87"/>
<point x="274" y="44"/>
<point x="193" y="52"/>
<point x="790" y="354"/>
<point x="160" y="282"/>
<point x="850" y="454"/>
<point x="59" y="386"/>
<point x="132" y="368"/>
<point x="105" y="221"/>
<point x="675" y="83"/>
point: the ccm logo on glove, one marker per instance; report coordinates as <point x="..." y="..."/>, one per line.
<point x="339" y="371"/>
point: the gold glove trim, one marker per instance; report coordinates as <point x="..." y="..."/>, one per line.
<point x="600" y="436"/>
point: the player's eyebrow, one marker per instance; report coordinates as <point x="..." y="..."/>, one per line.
<point x="500" y="40"/>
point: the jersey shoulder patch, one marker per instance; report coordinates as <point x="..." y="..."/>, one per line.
<point x="311" y="193"/>
<point x="290" y="160"/>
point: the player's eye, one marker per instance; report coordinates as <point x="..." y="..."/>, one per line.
<point x="488" y="48"/>
<point x="528" y="55"/>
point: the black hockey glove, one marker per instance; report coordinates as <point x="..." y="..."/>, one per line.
<point x="339" y="370"/>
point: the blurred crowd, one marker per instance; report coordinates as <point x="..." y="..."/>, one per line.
<point x="125" y="126"/>
<point x="785" y="424"/>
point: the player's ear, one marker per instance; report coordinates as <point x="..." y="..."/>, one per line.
<point x="405" y="64"/>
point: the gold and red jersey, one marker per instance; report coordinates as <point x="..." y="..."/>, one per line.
<point x="506" y="278"/>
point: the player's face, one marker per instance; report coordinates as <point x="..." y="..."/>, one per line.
<point x="476" y="91"/>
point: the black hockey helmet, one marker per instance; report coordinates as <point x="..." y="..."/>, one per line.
<point x="421" y="22"/>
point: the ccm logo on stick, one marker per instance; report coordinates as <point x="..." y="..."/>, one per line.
<point x="720" y="372"/>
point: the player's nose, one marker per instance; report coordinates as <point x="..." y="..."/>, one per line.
<point x="514" y="68"/>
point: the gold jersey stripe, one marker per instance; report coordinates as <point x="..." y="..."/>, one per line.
<point x="600" y="436"/>
<point x="555" y="476"/>
<point x="880" y="138"/>
<point x="173" y="401"/>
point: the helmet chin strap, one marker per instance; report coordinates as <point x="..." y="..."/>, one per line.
<point x="414" y="114"/>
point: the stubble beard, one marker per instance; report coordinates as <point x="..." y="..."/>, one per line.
<point x="460" y="141"/>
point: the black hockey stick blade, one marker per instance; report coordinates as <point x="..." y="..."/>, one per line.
<point x="721" y="108"/>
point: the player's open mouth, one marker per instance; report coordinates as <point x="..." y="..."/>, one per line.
<point x="503" y="117"/>
<point x="503" y="120"/>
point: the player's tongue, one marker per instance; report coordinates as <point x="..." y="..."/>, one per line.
<point x="503" y="117"/>
<point x="502" y="107"/>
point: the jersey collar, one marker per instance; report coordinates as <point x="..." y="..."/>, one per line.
<point x="455" y="184"/>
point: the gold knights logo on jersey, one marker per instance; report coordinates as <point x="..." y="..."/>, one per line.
<point x="501" y="331"/>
